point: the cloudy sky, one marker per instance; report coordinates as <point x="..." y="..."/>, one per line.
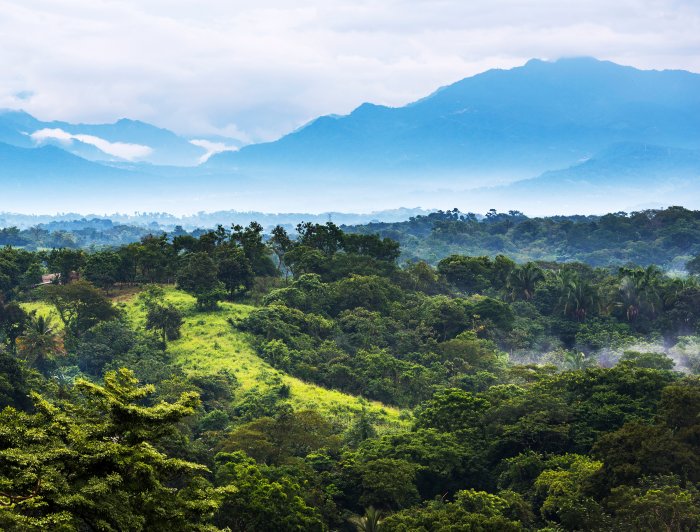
<point x="256" y="70"/>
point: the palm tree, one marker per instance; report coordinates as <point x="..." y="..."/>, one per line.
<point x="640" y="291"/>
<point x="577" y="296"/>
<point x="40" y="342"/>
<point x="370" y="522"/>
<point x="523" y="280"/>
<point x="629" y="298"/>
<point x="575" y="360"/>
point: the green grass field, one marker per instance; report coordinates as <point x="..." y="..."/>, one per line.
<point x="209" y="343"/>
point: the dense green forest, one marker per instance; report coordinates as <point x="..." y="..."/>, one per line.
<point x="316" y="380"/>
<point x="666" y="238"/>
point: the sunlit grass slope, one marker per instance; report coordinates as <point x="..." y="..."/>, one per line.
<point x="209" y="343"/>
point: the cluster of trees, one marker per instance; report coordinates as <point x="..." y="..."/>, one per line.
<point x="512" y="420"/>
<point x="94" y="233"/>
<point x="393" y="334"/>
<point x="665" y="237"/>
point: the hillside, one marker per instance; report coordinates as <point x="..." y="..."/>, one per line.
<point x="209" y="343"/>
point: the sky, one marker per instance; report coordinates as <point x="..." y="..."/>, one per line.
<point x="257" y="70"/>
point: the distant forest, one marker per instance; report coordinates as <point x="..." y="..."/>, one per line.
<point x="667" y="238"/>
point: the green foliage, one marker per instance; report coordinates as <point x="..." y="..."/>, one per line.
<point x="80" y="306"/>
<point x="471" y="510"/>
<point x="660" y="503"/>
<point x="289" y="434"/>
<point x="451" y="410"/>
<point x="542" y="395"/>
<point x="647" y="360"/>
<point x="564" y="494"/>
<point x="96" y="464"/>
<point x="198" y="276"/>
<point x="252" y="501"/>
<point x="163" y="317"/>
<point x="40" y="342"/>
<point x="662" y="237"/>
<point x="388" y="483"/>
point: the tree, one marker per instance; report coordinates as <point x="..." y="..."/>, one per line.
<point x="102" y="268"/>
<point x="251" y="501"/>
<point x="280" y="244"/>
<point x="273" y="440"/>
<point x="166" y="319"/>
<point x="198" y="276"/>
<point x="640" y="291"/>
<point x="647" y="360"/>
<point x="564" y="497"/>
<point x="250" y="239"/>
<point x="389" y="483"/>
<point x="80" y="306"/>
<point x="636" y="450"/>
<point x="13" y="320"/>
<point x="96" y="463"/>
<point x="154" y="258"/>
<point x="103" y="344"/>
<point x="523" y="280"/>
<point x="65" y="262"/>
<point x="161" y="316"/>
<point x="327" y="238"/>
<point x="40" y="342"/>
<point x="451" y="410"/>
<point x="577" y="297"/>
<point x="660" y="503"/>
<point x="14" y="386"/>
<point x="468" y="274"/>
<point x="471" y="510"/>
<point x="370" y="522"/>
<point x="234" y="270"/>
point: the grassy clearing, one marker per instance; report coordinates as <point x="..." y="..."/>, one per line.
<point x="209" y="343"/>
<point x="42" y="308"/>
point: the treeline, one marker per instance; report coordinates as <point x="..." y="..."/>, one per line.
<point x="529" y="400"/>
<point x="666" y="238"/>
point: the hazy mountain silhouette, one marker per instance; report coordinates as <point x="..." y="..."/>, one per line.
<point x="164" y="146"/>
<point x="513" y="123"/>
<point x="596" y="133"/>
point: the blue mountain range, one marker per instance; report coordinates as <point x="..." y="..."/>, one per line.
<point x="583" y="128"/>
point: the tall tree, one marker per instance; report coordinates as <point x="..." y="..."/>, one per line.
<point x="80" y="306"/>
<point x="198" y="276"/>
<point x="40" y="342"/>
<point x="97" y="463"/>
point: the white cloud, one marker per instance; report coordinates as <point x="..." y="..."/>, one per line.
<point x="212" y="147"/>
<point x="267" y="67"/>
<point x="122" y="150"/>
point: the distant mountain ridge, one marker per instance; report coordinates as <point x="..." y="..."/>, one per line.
<point x="626" y="176"/>
<point x="520" y="122"/>
<point x="123" y="140"/>
<point x="600" y="136"/>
